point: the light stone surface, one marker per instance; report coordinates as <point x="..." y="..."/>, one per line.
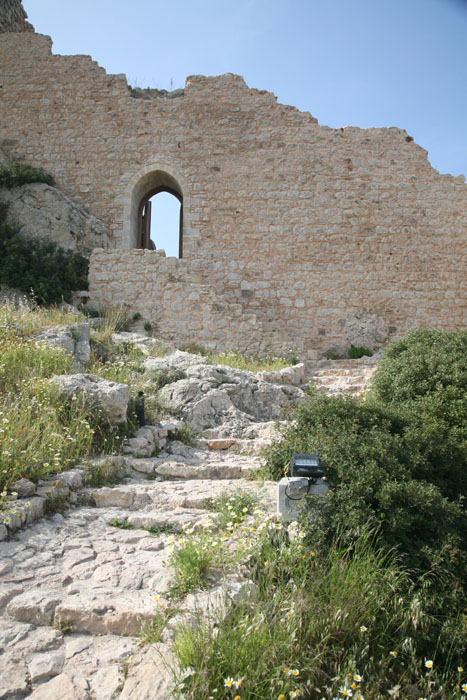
<point x="40" y="211"/>
<point x="75" y="589"/>
<point x="296" y="237"/>
<point x="73" y="339"/>
<point x="110" y="398"/>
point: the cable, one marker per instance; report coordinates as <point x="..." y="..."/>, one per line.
<point x="300" y="498"/>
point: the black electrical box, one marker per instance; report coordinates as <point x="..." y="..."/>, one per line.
<point x="308" y="465"/>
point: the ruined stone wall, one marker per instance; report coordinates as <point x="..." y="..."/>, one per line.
<point x="13" y="17"/>
<point x="171" y="295"/>
<point x="316" y="231"/>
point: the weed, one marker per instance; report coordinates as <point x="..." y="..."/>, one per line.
<point x="161" y="377"/>
<point x="355" y="352"/>
<point x="186" y="434"/>
<point x="17" y="174"/>
<point x="233" y="508"/>
<point x="56" y="502"/>
<point x="251" y="363"/>
<point x="136" y="317"/>
<point x="122" y="524"/>
<point x="102" y="473"/>
<point x="62" y="626"/>
<point x="152" y="629"/>
<point x="147" y="326"/>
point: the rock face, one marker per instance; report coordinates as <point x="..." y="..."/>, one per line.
<point x="74" y="339"/>
<point x="214" y="395"/>
<point x="364" y="329"/>
<point x="108" y="397"/>
<point x="42" y="211"/>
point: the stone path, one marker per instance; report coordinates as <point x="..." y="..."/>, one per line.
<point x="75" y="590"/>
<point x="343" y="376"/>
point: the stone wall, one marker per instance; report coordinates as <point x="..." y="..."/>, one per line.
<point x="325" y="235"/>
<point x="171" y="295"/>
<point x="13" y="17"/>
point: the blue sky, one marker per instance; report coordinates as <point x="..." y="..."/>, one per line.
<point x="347" y="62"/>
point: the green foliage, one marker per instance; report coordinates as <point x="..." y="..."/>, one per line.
<point x="17" y="174"/>
<point x="373" y="457"/>
<point x="39" y="267"/>
<point x="356" y="351"/>
<point x="147" y="326"/>
<point x="320" y="623"/>
<point x="161" y="377"/>
<point x="121" y="524"/>
<point x="186" y="434"/>
<point x="399" y="458"/>
<point x="232" y="508"/>
<point x="426" y="364"/>
<point x="152" y="629"/>
<point x="251" y="363"/>
<point x="191" y="562"/>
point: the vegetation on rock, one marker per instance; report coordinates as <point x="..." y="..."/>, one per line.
<point x="17" y="174"/>
<point x="39" y="267"/>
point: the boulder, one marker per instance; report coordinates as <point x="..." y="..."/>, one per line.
<point x="178" y="359"/>
<point x="74" y="339"/>
<point x="41" y="211"/>
<point x="214" y="395"/>
<point x="110" y="398"/>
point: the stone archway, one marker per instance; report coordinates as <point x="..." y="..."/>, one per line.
<point x="144" y="218"/>
<point x="144" y="183"/>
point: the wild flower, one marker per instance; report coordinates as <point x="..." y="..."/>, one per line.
<point x="346" y="692"/>
<point x="363" y="628"/>
<point x="429" y="663"/>
<point x="393" y="653"/>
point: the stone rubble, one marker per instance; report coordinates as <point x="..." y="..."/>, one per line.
<point x="76" y="589"/>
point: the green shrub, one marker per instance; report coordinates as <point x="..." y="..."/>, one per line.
<point x="39" y="266"/>
<point x="378" y="472"/>
<point x="425" y="364"/>
<point x="17" y="174"/>
<point x="161" y="377"/>
<point x="356" y="351"/>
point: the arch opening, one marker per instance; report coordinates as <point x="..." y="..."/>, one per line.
<point x="160" y="221"/>
<point x="146" y="196"/>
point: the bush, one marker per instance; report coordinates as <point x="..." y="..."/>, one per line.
<point x="355" y="352"/>
<point x="161" y="377"/>
<point x="18" y="174"/>
<point x="426" y="364"/>
<point x="378" y="472"/>
<point x="40" y="266"/>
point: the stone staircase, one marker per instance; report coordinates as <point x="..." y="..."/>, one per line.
<point x="350" y="377"/>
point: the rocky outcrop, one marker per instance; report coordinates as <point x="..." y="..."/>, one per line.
<point x="73" y="339"/>
<point x="110" y="398"/>
<point x="214" y="395"/>
<point x="41" y="211"/>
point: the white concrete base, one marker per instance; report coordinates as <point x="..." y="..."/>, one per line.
<point x="291" y="491"/>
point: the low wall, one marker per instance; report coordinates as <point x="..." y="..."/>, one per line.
<point x="170" y="294"/>
<point x="323" y="308"/>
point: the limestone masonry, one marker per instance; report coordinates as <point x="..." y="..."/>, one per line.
<point x="295" y="235"/>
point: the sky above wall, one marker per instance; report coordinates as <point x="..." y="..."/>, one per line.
<point x="347" y="62"/>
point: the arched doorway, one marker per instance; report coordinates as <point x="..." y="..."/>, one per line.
<point x="149" y="237"/>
